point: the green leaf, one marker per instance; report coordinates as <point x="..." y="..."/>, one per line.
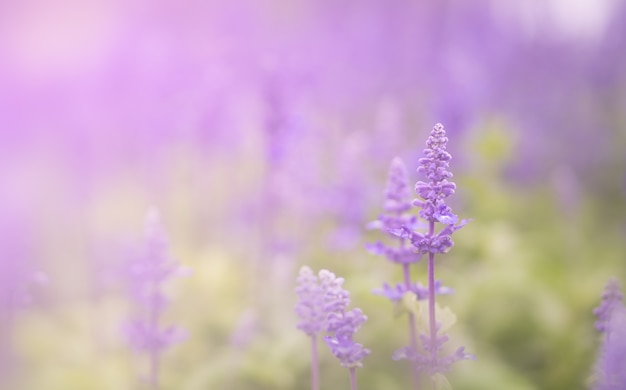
<point x="440" y="382"/>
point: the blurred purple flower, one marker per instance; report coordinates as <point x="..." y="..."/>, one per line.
<point x="421" y="292"/>
<point x="395" y="219"/>
<point x="343" y="325"/>
<point x="310" y="307"/>
<point x="320" y="296"/>
<point x="146" y="275"/>
<point x="609" y="370"/>
<point x="612" y="298"/>
<point x="396" y="222"/>
<point x="18" y="281"/>
<point x="323" y="308"/>
<point x="340" y="323"/>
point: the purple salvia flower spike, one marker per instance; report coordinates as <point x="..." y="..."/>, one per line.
<point x="146" y="275"/>
<point x="342" y="325"/>
<point x="433" y="193"/>
<point x="397" y="192"/>
<point x="323" y="308"/>
<point x="310" y="306"/>
<point x="401" y="226"/>
<point x="395" y="221"/>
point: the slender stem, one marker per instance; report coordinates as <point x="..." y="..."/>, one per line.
<point x="154" y="369"/>
<point x="431" y="301"/>
<point x="315" y="376"/>
<point x="353" y="378"/>
<point x="407" y="283"/>
<point x="154" y="329"/>
<point x="412" y="331"/>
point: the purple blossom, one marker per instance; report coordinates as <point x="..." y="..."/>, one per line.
<point x="609" y="370"/>
<point x="322" y="297"/>
<point x="423" y="360"/>
<point x="336" y="299"/>
<point x="343" y="326"/>
<point x="402" y="255"/>
<point x="433" y="193"/>
<point x="435" y="166"/>
<point x="323" y="307"/>
<point x="310" y="307"/>
<point x="19" y="283"/>
<point x="397" y="201"/>
<point x="395" y="220"/>
<point x="146" y="275"/>
<point x="397" y="191"/>
<point x="611" y="299"/>
<point x="396" y="293"/>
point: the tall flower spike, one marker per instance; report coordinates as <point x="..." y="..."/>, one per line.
<point x="342" y="325"/>
<point x="323" y="308"/>
<point x="395" y="220"/>
<point x="397" y="192"/>
<point x="146" y="274"/>
<point x="432" y="194"/>
<point x="435" y="166"/>
<point x="399" y="225"/>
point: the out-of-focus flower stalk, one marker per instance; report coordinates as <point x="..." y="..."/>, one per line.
<point x="147" y="273"/>
<point x="395" y="218"/>
<point x="610" y="372"/>
<point x="323" y="308"/>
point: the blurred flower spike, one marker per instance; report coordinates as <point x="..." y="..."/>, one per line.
<point x="610" y="372"/>
<point x="146" y="274"/>
<point x="611" y="299"/>
<point x="323" y="307"/>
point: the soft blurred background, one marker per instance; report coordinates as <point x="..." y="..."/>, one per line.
<point x="263" y="131"/>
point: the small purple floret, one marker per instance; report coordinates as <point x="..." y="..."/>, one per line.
<point x="611" y="298"/>
<point x="396" y="220"/>
<point x="396" y="293"/>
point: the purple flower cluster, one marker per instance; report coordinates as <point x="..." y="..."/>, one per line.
<point x="310" y="307"/>
<point x="343" y="325"/>
<point x="433" y="194"/>
<point x="435" y="166"/>
<point x="395" y="293"/>
<point x="609" y="370"/>
<point x="424" y="241"/>
<point x="323" y="307"/>
<point x="147" y="274"/>
<point x="396" y="218"/>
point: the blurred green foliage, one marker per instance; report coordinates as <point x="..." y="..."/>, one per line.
<point x="527" y="272"/>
